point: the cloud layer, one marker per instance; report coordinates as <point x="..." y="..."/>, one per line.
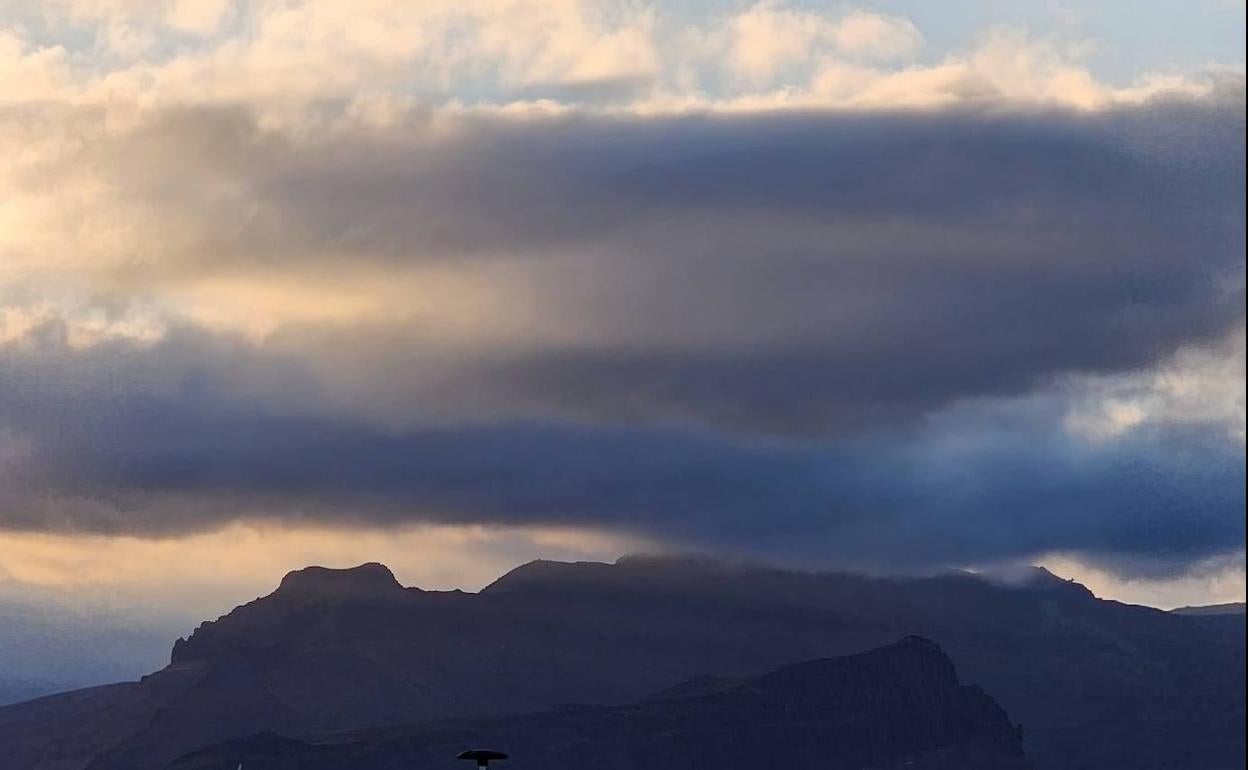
<point x="825" y="303"/>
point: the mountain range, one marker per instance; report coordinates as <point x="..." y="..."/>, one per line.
<point x="1093" y="683"/>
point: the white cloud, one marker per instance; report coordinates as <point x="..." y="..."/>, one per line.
<point x="1200" y="385"/>
<point x="327" y="49"/>
<point x="876" y="36"/>
<point x="200" y="17"/>
<point x="769" y="39"/>
<point x="31" y="73"/>
<point x="295" y="57"/>
<point x="1006" y="66"/>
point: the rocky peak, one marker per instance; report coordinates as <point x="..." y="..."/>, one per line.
<point x="1042" y="578"/>
<point x="542" y="573"/>
<point x="367" y="580"/>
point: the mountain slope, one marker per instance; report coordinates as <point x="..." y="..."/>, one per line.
<point x="1230" y="608"/>
<point x="895" y="706"/>
<point x="1095" y="684"/>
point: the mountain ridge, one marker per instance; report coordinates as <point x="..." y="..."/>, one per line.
<point x="1228" y="608"/>
<point x="1058" y="659"/>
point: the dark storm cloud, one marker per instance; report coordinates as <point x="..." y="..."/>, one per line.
<point x="759" y="317"/>
<point x="802" y="272"/>
<point x="442" y="187"/>
<point x="991" y="488"/>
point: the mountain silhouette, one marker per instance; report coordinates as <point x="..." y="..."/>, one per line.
<point x="1230" y="608"/>
<point x="1095" y="684"/>
<point x="893" y="707"/>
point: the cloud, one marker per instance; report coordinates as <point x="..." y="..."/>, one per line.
<point x="31" y="74"/>
<point x="200" y="17"/>
<point x="783" y="273"/>
<point x="289" y="53"/>
<point x="768" y="39"/>
<point x="1203" y="385"/>
<point x="877" y="36"/>
<point x="976" y="484"/>
<point x="291" y="58"/>
<point x="545" y="265"/>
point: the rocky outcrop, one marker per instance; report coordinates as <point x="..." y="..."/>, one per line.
<point x="262" y="623"/>
<point x="893" y="707"/>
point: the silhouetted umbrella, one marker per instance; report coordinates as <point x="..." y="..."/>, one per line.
<point x="483" y="756"/>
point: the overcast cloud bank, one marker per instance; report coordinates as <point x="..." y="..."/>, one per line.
<point x="754" y="301"/>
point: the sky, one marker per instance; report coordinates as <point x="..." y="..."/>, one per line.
<point x="893" y="287"/>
